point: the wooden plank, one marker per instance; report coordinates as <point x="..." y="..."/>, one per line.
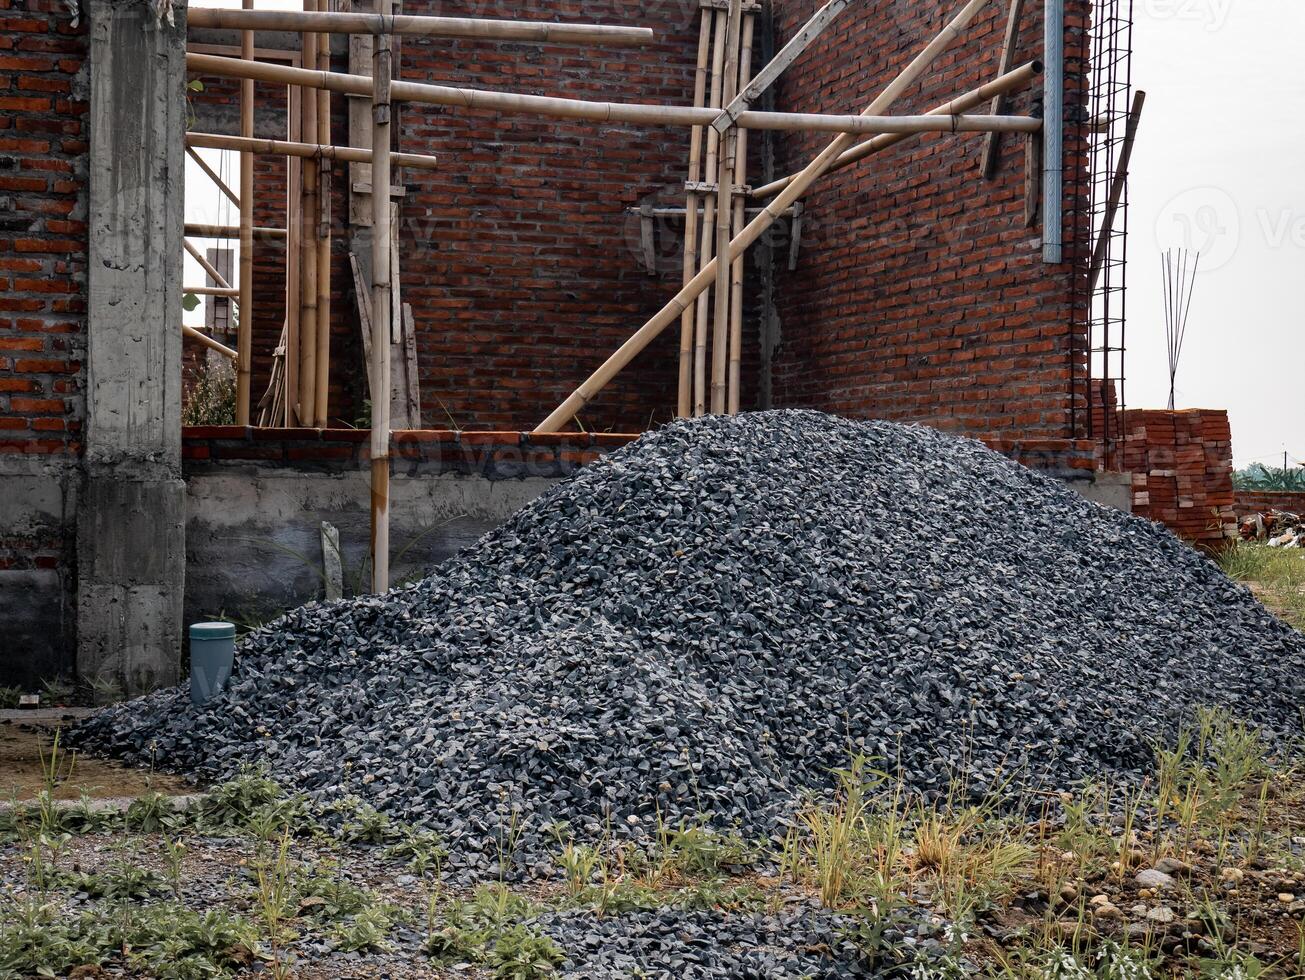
<point x="1116" y="190"/>
<point x="992" y="145"/>
<point x="413" y="385"/>
<point x="798" y="43"/>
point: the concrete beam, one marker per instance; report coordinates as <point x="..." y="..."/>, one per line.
<point x="131" y="517"/>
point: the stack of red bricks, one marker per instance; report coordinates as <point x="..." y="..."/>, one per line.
<point x="1182" y="471"/>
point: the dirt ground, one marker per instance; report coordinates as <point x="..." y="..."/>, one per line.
<point x="22" y="744"/>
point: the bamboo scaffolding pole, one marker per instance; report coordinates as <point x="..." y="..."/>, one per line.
<point x="285" y="148"/>
<point x="198" y="230"/>
<point x="801" y="183"/>
<point x="473" y="28"/>
<point x="381" y="310"/>
<point x="294" y="224"/>
<point x="244" y="304"/>
<point x="211" y="291"/>
<point x="702" y="312"/>
<point x="725" y="213"/>
<point x="205" y="264"/>
<point x="227" y="192"/>
<point x="684" y="404"/>
<point x="647" y="115"/>
<point x="1117" y="186"/>
<point x="737" y="266"/>
<point x="1003" y="84"/>
<point x="991" y="146"/>
<point x="308" y="241"/>
<point x="323" y="378"/>
<point x="208" y="342"/>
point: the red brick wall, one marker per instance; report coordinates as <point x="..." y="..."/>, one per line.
<point x="1182" y="471"/>
<point x="42" y="227"/>
<point x="919" y="293"/>
<point x="1247" y="503"/>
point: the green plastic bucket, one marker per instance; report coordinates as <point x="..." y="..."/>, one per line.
<point x="212" y="651"/>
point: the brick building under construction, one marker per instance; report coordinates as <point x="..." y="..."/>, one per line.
<point x="971" y="280"/>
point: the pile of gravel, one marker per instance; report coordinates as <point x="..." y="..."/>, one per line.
<point x="709" y="620"/>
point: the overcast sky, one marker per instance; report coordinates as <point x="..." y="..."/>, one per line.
<point x="1220" y="167"/>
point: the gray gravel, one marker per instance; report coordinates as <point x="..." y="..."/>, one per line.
<point x="709" y="620"/>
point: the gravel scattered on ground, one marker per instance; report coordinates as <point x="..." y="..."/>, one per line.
<point x="709" y="620"/>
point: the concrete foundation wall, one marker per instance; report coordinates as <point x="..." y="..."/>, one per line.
<point x="253" y="536"/>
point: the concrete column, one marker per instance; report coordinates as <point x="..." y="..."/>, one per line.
<point x="131" y="512"/>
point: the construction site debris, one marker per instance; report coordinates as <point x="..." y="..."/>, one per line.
<point x="703" y="624"/>
<point x="1277" y="528"/>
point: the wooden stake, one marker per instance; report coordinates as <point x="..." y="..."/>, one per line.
<point x="684" y="408"/>
<point x="245" y="304"/>
<point x="1017" y="79"/>
<point x="380" y="366"/>
<point x="993" y="143"/>
<point x="308" y="243"/>
<point x="703" y="312"/>
<point x="285" y="148"/>
<point x="477" y="29"/>
<point x="322" y="393"/>
<point x="736" y="267"/>
<point x="725" y="215"/>
<point x="640" y="339"/>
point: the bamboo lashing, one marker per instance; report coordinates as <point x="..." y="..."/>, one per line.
<point x="227" y="192"/>
<point x="472" y="28"/>
<point x="307" y="151"/>
<point x="245" y="274"/>
<point x="739" y="218"/>
<point x="308" y="241"/>
<point x="1008" y="83"/>
<point x="707" y="249"/>
<point x="725" y="213"/>
<point x="323" y="241"/>
<point x="208" y="342"/>
<point x="684" y="404"/>
<point x="381" y="299"/>
<point x="647" y="115"/>
<point x="799" y="186"/>
<point x="205" y="264"/>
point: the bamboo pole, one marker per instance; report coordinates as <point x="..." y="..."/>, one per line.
<point x="380" y="366"/>
<point x="211" y="291"/>
<point x="1003" y="84"/>
<point x="294" y="225"/>
<point x="801" y="183"/>
<point x="205" y="264"/>
<point x="707" y="249"/>
<point x="308" y="242"/>
<point x="323" y="379"/>
<point x="988" y="164"/>
<point x="245" y="302"/>
<point x="1117" y="187"/>
<point x="465" y="27"/>
<point x="739" y="220"/>
<point x="624" y="112"/>
<point x="285" y="148"/>
<point x="725" y="214"/>
<point x="227" y="192"/>
<point x="684" y="407"/>
<point x="198" y="230"/>
<point x="208" y="342"/>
